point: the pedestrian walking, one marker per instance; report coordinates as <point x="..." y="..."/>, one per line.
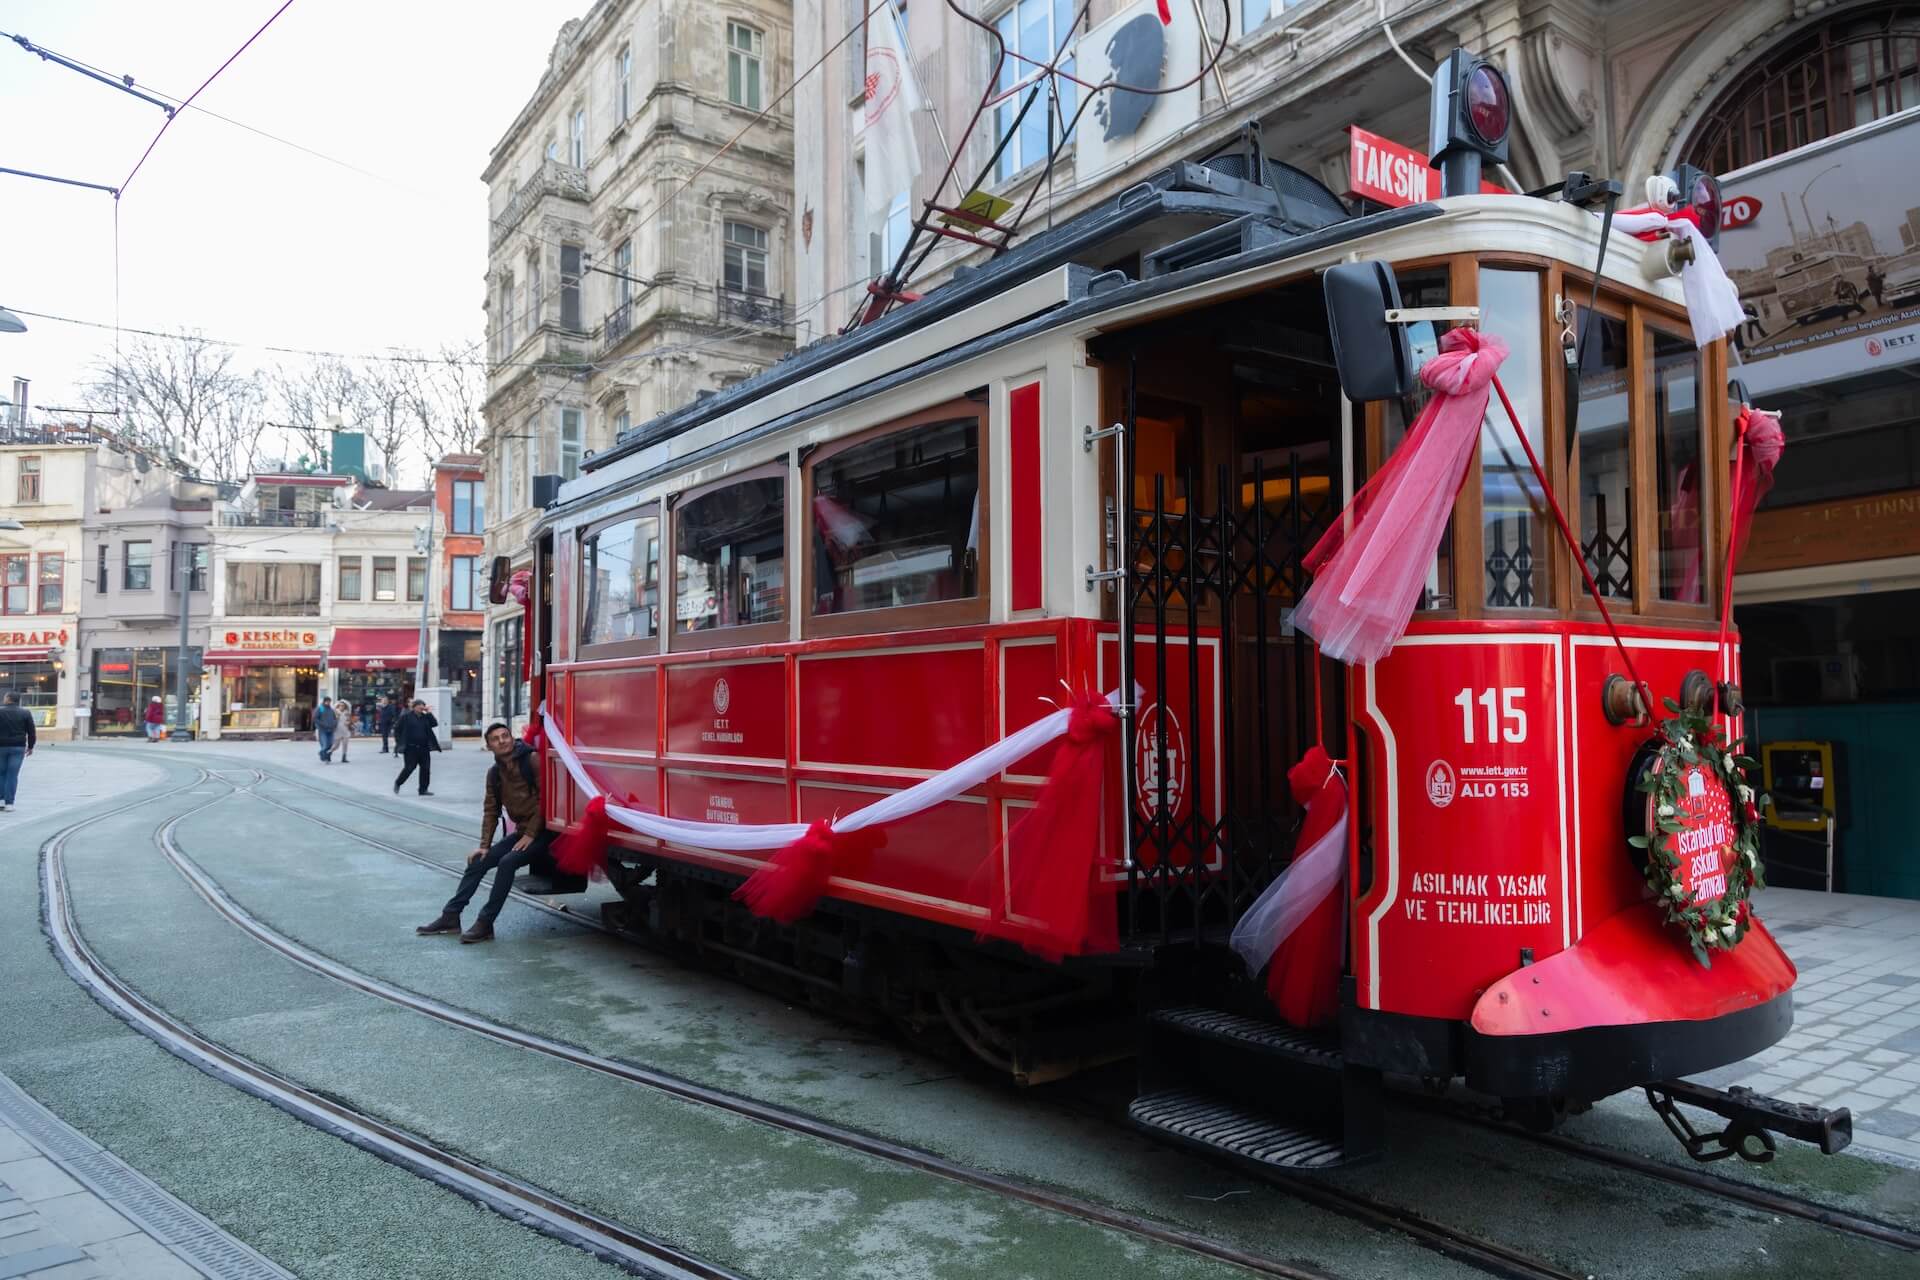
<point x="386" y="716"/>
<point x="366" y="718"/>
<point x="17" y="740"/>
<point x="1876" y="284"/>
<point x="344" y="734"/>
<point x="326" y="723"/>
<point x="513" y="785"/>
<point x="414" y="738"/>
<point x="156" y="720"/>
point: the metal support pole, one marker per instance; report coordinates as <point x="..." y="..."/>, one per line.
<point x="426" y="599"/>
<point x="182" y="730"/>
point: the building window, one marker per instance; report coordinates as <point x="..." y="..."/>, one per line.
<point x="896" y="518"/>
<point x="464" y="588"/>
<point x="553" y="149"/>
<point x="620" y="582"/>
<point x="893" y="232"/>
<point x="746" y="258"/>
<point x="533" y="293"/>
<point x="100" y="571"/>
<point x="730" y="566"/>
<point x="503" y="319"/>
<point x="623" y="264"/>
<point x="744" y="52"/>
<point x="349" y="585"/>
<point x="193" y="554"/>
<point x="53" y="580"/>
<point x="577" y="138"/>
<point x="506" y="475"/>
<point x="622" y="423"/>
<point x="386" y="579"/>
<point x="1033" y="29"/>
<point x="1255" y="12"/>
<point x="571" y="443"/>
<point x="470" y="506"/>
<point x="257" y="589"/>
<point x="28" y="487"/>
<point x="16" y="584"/>
<point x="416" y="578"/>
<point x="570" y="287"/>
<point x="623" y="87"/>
<point x="136" y="572"/>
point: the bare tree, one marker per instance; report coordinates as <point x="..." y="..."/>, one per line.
<point x="317" y="395"/>
<point x="447" y="402"/>
<point x="184" y="396"/>
<point x="386" y="414"/>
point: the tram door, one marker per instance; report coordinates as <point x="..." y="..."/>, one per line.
<point x="1232" y="426"/>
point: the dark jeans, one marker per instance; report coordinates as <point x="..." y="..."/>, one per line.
<point x="11" y="759"/>
<point x="509" y="862"/>
<point x="421" y="760"/>
<point x="386" y="736"/>
<point x="325" y="738"/>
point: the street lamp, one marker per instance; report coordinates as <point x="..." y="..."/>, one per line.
<point x="1832" y="168"/>
<point x="12" y="526"/>
<point x="11" y="323"/>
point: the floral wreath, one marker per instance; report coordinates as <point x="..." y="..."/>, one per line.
<point x="1689" y="739"/>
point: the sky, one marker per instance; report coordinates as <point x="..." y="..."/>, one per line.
<point x="236" y="235"/>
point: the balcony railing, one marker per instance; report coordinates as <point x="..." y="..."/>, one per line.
<point x="273" y="518"/>
<point x="618" y="325"/>
<point x="553" y="178"/>
<point x="741" y="306"/>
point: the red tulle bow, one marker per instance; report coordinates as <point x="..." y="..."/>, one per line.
<point x="583" y="850"/>
<point x="1304" y="979"/>
<point x="1765" y="442"/>
<point x="1166" y="14"/>
<point x="789" y="885"/>
<point x="1046" y="900"/>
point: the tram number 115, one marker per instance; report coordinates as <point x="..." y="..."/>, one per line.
<point x="1506" y="720"/>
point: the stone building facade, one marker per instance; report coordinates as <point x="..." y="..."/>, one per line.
<point x="639" y="232"/>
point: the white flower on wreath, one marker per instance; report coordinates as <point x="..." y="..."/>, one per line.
<point x="1727" y="931"/>
<point x="1676" y="891"/>
<point x="1666" y="811"/>
<point x="1746" y="794"/>
<point x="1684" y="742"/>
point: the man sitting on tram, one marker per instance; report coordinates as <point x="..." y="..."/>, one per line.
<point x="513" y="784"/>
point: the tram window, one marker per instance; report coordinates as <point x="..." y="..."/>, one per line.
<point x="1606" y="459"/>
<point x="1513" y="532"/>
<point x="620" y="582"/>
<point x="730" y="557"/>
<point x="1676" y="466"/>
<point x="896" y="519"/>
<point x="1423" y="289"/>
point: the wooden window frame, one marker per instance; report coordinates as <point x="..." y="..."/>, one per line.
<point x="908" y="617"/>
<point x="640" y="646"/>
<point x="1711" y="398"/>
<point x="753" y="633"/>
<point x="1577" y="289"/>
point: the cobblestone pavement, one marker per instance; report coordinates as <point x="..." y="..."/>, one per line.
<point x="1856" y="1036"/>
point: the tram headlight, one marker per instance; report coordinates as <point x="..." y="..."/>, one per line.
<point x="1472" y="115"/>
<point x="1692" y="190"/>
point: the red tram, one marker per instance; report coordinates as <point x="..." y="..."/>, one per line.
<point x="1101" y="459"/>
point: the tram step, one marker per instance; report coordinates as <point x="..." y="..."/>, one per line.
<point x="1221" y="1128"/>
<point x="551" y="886"/>
<point x="1270" y="1039"/>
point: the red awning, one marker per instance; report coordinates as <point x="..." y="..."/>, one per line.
<point x="25" y="655"/>
<point x="360" y="648"/>
<point x="263" y="657"/>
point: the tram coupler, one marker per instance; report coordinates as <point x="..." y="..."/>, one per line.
<point x="1752" y="1120"/>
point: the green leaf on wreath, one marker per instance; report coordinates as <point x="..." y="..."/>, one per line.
<point x="1638" y="842"/>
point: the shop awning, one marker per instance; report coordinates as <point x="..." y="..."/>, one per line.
<point x="263" y="657"/>
<point x="376" y="648"/>
<point x="40" y="654"/>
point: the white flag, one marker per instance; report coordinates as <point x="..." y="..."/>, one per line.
<point x="893" y="159"/>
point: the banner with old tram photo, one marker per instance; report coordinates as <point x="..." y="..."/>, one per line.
<point x="1824" y="247"/>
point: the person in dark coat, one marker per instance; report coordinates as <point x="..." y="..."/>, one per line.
<point x="513" y="788"/>
<point x="326" y="722"/>
<point x="414" y="738"/>
<point x="17" y="739"/>
<point x="385" y="717"/>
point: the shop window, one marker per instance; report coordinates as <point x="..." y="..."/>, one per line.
<point x="895" y="519"/>
<point x="730" y="559"/>
<point x="259" y="589"/>
<point x="1677" y="472"/>
<point x="386" y="579"/>
<point x="1512" y="509"/>
<point x="349" y="584"/>
<point x="1606" y="455"/>
<point x="136" y="573"/>
<point x="620" y="581"/>
<point x="38" y="687"/>
<point x="416" y="578"/>
<point x="16" y="584"/>
<point x="53" y="579"/>
<point x="126" y="680"/>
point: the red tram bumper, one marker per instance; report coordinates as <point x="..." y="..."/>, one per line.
<point x="1626" y="1005"/>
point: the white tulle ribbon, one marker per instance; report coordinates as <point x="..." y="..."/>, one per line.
<point x="1713" y="300"/>
<point x="727" y="837"/>
<point x="1291" y="898"/>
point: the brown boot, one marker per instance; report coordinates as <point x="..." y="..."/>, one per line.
<point x="445" y="922"/>
<point x="482" y="931"/>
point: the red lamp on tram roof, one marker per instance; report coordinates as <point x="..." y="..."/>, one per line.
<point x="1472" y="117"/>
<point x="1696" y="194"/>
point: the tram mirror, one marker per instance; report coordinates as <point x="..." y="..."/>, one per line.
<point x="497" y="579"/>
<point x="1373" y="357"/>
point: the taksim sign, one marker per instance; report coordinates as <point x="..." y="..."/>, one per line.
<point x="1381" y="170"/>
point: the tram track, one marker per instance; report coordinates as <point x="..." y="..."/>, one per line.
<point x="1485" y="1255"/>
<point x="520" y="1201"/>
